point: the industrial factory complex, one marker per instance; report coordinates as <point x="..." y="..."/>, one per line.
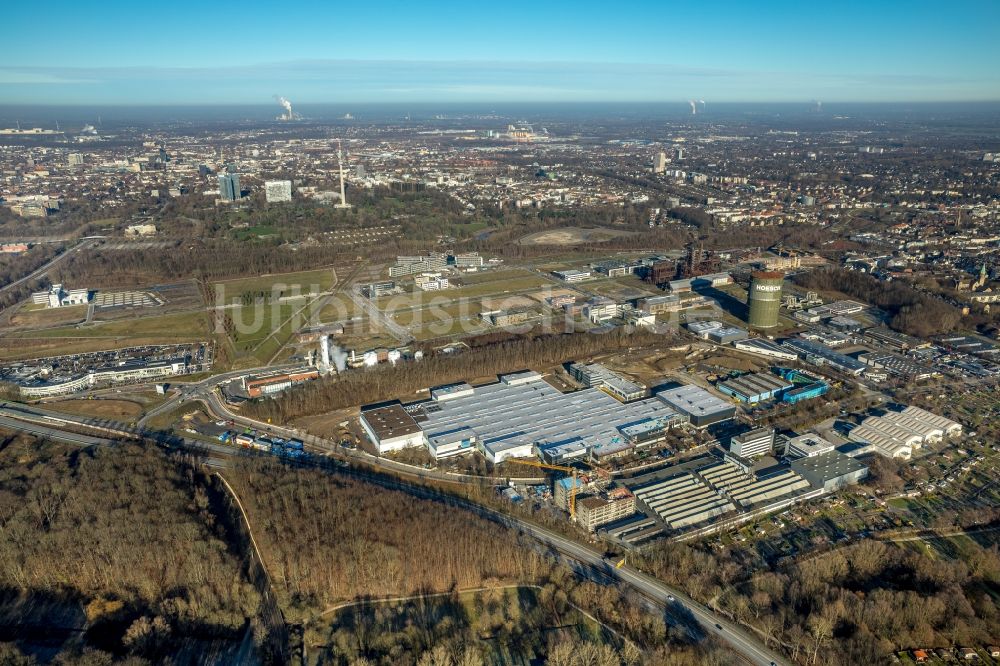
<point x="524" y="417"/>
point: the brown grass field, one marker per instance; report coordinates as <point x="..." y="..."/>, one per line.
<point x="120" y="410"/>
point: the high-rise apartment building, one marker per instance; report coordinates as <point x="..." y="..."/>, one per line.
<point x="229" y="187"/>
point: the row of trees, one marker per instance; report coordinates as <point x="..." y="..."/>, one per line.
<point x="389" y="382"/>
<point x="913" y="312"/>
<point x="182" y="260"/>
<point x="16" y="266"/>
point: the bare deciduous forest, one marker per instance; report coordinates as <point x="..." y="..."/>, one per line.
<point x="856" y="605"/>
<point x="327" y="540"/>
<point x="913" y="312"/>
<point x="16" y="266"/>
<point x="331" y="539"/>
<point x="125" y="546"/>
<point x="118" y="542"/>
<point x="121" y="555"/>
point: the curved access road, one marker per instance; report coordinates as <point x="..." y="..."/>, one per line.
<point x="675" y="602"/>
<point x="44" y="268"/>
<point x="193" y="390"/>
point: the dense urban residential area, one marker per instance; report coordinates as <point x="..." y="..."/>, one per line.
<point x="561" y="335"/>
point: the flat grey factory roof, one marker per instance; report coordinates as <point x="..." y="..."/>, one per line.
<point x="827" y="466"/>
<point x="809" y="347"/>
<point x="390" y="421"/>
<point x="694" y="400"/>
<point x="537" y="412"/>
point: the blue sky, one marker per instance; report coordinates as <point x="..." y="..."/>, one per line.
<point x="328" y="52"/>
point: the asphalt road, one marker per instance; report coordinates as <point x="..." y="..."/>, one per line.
<point x="191" y="390"/>
<point x="50" y="433"/>
<point x="42" y="270"/>
<point x="674" y="601"/>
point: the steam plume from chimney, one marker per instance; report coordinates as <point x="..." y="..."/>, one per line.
<point x="339" y="358"/>
<point x="285" y="103"/>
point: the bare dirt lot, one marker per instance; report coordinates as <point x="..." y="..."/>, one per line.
<point x="572" y="236"/>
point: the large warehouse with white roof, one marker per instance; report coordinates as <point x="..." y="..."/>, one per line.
<point x="898" y="434"/>
<point x="522" y="415"/>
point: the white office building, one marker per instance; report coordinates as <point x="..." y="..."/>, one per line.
<point x="57" y="297"/>
<point x="807" y="446"/>
<point x="759" y="442"/>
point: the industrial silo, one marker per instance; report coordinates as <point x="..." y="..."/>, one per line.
<point x="764" y="298"/>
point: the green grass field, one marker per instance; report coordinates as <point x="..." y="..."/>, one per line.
<point x="500" y="287"/>
<point x="494" y="276"/>
<point x="339" y="308"/>
<point x="253" y="323"/>
<point x="180" y="326"/>
<point x="437" y="312"/>
<point x="308" y="282"/>
<point x="261" y="331"/>
<point x="449" y="328"/>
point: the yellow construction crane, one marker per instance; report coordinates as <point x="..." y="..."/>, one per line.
<point x="570" y="470"/>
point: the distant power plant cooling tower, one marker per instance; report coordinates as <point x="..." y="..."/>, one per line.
<point x="764" y="298"/>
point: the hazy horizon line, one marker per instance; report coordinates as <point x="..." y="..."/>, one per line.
<point x="646" y="102"/>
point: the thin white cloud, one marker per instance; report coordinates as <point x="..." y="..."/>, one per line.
<point x="16" y="77"/>
<point x="469" y="80"/>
